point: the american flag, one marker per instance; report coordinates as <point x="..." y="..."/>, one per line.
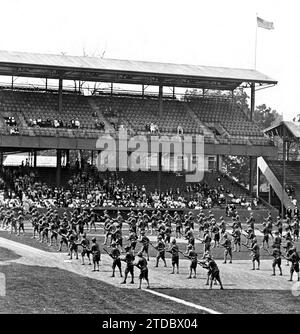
<point x="264" y="24"/>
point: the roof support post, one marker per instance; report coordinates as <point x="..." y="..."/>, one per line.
<point x="160" y="97"/>
<point x="60" y="88"/>
<point x="252" y="107"/>
<point x="58" y="167"/>
<point x="143" y="91"/>
<point x="173" y="92"/>
<point x="251" y="174"/>
<point x="283" y="169"/>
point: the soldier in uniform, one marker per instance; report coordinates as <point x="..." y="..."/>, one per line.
<point x="95" y="249"/>
<point x="192" y="255"/>
<point x="85" y="244"/>
<point x="144" y="240"/>
<point x="213" y="271"/>
<point x="161" y="251"/>
<point x="129" y="259"/>
<point x="20" y="220"/>
<point x="228" y="249"/>
<point x="236" y="234"/>
<point x="142" y="265"/>
<point x="255" y="253"/>
<point x="115" y="255"/>
<point x="175" y="256"/>
<point x="276" y="253"/>
<point x="294" y="258"/>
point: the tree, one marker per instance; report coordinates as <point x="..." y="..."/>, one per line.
<point x="264" y="116"/>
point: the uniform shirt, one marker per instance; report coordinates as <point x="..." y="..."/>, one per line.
<point x="115" y="253"/>
<point x="174" y="250"/>
<point x="142" y="264"/>
<point x="160" y="246"/>
<point x="95" y="248"/>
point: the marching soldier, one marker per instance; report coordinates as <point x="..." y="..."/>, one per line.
<point x="213" y="271"/>
<point x="142" y="265"/>
<point x="161" y="251"/>
<point x="95" y="250"/>
<point x="144" y="240"/>
<point x="115" y="255"/>
<point x="228" y="249"/>
<point x="175" y="256"/>
<point x="294" y="258"/>
<point x="129" y="259"/>
<point x="192" y="255"/>
<point x="85" y="244"/>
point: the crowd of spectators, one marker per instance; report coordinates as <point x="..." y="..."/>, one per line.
<point x="54" y="123"/>
<point x="84" y="190"/>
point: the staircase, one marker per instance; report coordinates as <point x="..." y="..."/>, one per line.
<point x="204" y="129"/>
<point x="100" y="116"/>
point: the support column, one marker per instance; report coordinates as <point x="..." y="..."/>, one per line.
<point x="257" y="180"/>
<point x="159" y="169"/>
<point x="58" y="167"/>
<point x="1" y="157"/>
<point x="92" y="157"/>
<point x="60" y="88"/>
<point x="67" y="158"/>
<point x="283" y="171"/>
<point x="34" y="158"/>
<point x="251" y="174"/>
<point x="160" y="97"/>
<point x="252" y="107"/>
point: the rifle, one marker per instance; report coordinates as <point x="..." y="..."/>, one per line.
<point x="107" y="252"/>
<point x="203" y="264"/>
<point x="150" y="243"/>
<point x="246" y="246"/>
<point x="179" y="251"/>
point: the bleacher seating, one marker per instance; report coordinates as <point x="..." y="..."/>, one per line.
<point x="135" y="113"/>
<point x="40" y="105"/>
<point x="223" y="118"/>
<point x="227" y="114"/>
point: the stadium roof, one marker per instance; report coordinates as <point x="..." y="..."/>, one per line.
<point x="284" y="128"/>
<point x="126" y="71"/>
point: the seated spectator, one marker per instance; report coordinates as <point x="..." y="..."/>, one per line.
<point x="56" y="123"/>
<point x="77" y="123"/>
<point x="179" y="130"/>
<point x="14" y="131"/>
<point x="99" y="125"/>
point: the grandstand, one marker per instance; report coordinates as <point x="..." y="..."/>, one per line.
<point x="67" y="119"/>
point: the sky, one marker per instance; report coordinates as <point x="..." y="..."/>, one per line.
<point x="201" y="32"/>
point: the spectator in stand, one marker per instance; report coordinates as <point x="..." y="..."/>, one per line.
<point x="56" y="123"/>
<point x="77" y="123"/>
<point x="179" y="130"/>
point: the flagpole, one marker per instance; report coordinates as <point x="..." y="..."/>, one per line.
<point x="255" y="42"/>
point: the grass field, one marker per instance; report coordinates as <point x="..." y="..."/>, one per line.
<point x="34" y="289"/>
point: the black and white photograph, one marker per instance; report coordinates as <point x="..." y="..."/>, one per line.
<point x="149" y="160"/>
